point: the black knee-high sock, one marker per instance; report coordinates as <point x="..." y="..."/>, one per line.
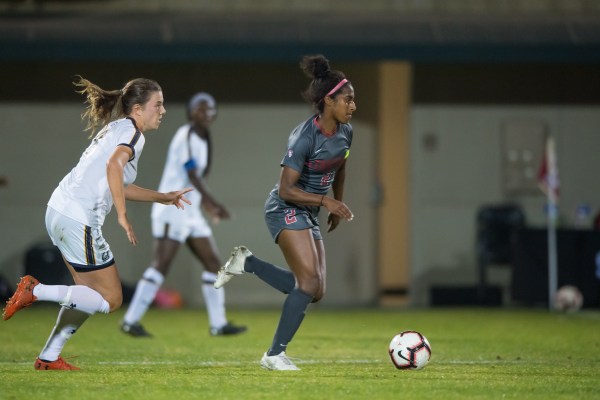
<point x="279" y="278"/>
<point x="294" y="309"/>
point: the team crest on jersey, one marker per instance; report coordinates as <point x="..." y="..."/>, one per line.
<point x="290" y="152"/>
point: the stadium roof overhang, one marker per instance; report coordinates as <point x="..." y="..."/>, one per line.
<point x="275" y="37"/>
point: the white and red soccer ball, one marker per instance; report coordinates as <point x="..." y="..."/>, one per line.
<point x="568" y="299"/>
<point x="409" y="350"/>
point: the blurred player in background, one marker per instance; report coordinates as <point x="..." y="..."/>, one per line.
<point x="77" y="208"/>
<point x="315" y="161"/>
<point x="188" y="163"/>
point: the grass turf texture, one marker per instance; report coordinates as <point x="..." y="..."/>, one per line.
<point x="342" y="353"/>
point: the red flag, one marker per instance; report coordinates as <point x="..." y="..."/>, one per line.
<point x="548" y="172"/>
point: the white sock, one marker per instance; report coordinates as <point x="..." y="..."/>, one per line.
<point x="214" y="299"/>
<point x="144" y="295"/>
<point x="55" y="293"/>
<point x="81" y="297"/>
<point x="67" y="323"/>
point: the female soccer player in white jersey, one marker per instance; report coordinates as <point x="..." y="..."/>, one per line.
<point x="315" y="161"/>
<point x="76" y="210"/>
<point x="188" y="163"/>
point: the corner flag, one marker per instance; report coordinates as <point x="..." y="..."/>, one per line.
<point x="549" y="183"/>
<point x="548" y="172"/>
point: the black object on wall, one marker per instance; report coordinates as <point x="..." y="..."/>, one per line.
<point x="465" y="296"/>
<point x="496" y="230"/>
<point x="577" y="251"/>
<point x="5" y="290"/>
<point x="45" y="263"/>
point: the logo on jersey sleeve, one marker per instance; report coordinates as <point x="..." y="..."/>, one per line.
<point x="290" y="153"/>
<point x="347" y="154"/>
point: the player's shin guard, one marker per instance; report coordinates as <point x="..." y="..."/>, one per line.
<point x="144" y="295"/>
<point x="294" y="309"/>
<point x="214" y="299"/>
<point x="85" y="299"/>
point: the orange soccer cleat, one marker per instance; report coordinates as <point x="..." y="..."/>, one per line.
<point x="60" y="365"/>
<point x="22" y="298"/>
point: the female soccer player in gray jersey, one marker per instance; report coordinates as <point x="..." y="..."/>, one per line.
<point x="76" y="210"/>
<point x="314" y="163"/>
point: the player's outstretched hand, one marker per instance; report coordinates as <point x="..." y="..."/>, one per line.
<point x="177" y="199"/>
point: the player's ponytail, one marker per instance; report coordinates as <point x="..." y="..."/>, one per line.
<point x="325" y="81"/>
<point x="106" y="105"/>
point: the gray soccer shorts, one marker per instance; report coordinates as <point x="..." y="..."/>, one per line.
<point x="279" y="218"/>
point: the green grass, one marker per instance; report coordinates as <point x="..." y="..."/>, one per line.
<point x="342" y="353"/>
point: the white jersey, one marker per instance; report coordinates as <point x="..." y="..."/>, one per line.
<point x="83" y="194"/>
<point x="185" y="146"/>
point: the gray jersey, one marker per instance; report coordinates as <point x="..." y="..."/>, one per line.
<point x="317" y="157"/>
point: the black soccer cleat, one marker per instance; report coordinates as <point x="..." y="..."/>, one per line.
<point x="228" y="329"/>
<point x="135" y="330"/>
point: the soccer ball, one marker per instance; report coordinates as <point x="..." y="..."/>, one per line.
<point x="409" y="350"/>
<point x="568" y="299"/>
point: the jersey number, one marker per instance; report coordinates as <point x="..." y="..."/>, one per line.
<point x="327" y="179"/>
<point x="290" y="216"/>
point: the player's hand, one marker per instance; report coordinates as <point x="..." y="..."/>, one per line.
<point x="177" y="199"/>
<point x="216" y="210"/>
<point x="124" y="222"/>
<point x="222" y="212"/>
<point x="332" y="221"/>
<point x="337" y="208"/>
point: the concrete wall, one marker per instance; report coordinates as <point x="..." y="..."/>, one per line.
<point x="465" y="170"/>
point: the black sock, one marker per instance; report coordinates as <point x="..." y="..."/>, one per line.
<point x="279" y="278"/>
<point x="294" y="309"/>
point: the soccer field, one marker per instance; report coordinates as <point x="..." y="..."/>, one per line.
<point x="477" y="353"/>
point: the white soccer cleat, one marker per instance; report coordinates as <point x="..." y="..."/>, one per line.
<point x="280" y="362"/>
<point x="233" y="266"/>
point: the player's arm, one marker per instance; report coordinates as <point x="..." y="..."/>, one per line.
<point x="289" y="191"/>
<point x="114" y="174"/>
<point x="337" y="187"/>
<point x="137" y="193"/>
<point x="115" y="167"/>
<point x="210" y="204"/>
<point x="338" y="183"/>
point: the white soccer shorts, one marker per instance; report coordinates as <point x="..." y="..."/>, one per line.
<point x="82" y="246"/>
